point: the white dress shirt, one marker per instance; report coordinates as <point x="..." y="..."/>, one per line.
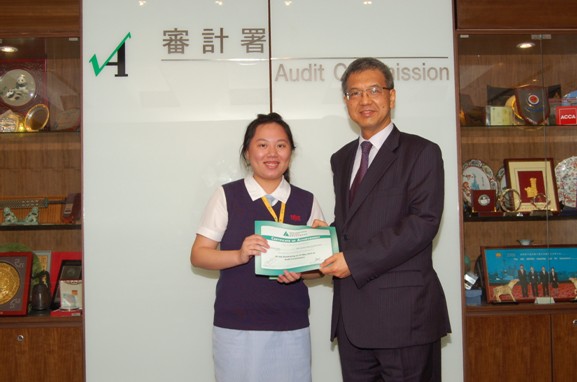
<point x="377" y="141"/>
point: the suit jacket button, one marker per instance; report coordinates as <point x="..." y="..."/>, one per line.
<point x="346" y="237"/>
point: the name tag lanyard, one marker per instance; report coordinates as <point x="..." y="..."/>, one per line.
<point x="271" y="211"/>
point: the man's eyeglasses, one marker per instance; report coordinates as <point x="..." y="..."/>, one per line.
<point x="372" y="92"/>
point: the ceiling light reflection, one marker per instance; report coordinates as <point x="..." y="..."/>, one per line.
<point x="8" y="49"/>
<point x="525" y="45"/>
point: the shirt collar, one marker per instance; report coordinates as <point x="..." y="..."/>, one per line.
<point x="255" y="191"/>
<point x="379" y="138"/>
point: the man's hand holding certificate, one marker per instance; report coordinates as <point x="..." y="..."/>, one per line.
<point x="293" y="248"/>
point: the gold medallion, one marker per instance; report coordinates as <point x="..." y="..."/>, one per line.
<point x="9" y="282"/>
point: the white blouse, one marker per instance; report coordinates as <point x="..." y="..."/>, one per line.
<point x="215" y="217"/>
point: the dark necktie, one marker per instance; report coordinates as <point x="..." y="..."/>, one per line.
<point x="365" y="149"/>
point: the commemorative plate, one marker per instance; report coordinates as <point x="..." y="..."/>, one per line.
<point x="566" y="176"/>
<point x="17" y="87"/>
<point x="477" y="175"/>
<point x="10" y="282"/>
<point x="501" y="180"/>
<point x="571" y="94"/>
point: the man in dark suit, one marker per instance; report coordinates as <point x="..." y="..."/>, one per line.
<point x="389" y="308"/>
<point x="544" y="281"/>
<point x="534" y="281"/>
<point x="523" y="280"/>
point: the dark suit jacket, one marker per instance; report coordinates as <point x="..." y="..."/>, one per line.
<point x="522" y="276"/>
<point x="393" y="297"/>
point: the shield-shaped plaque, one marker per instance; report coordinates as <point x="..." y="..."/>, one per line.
<point x="532" y="104"/>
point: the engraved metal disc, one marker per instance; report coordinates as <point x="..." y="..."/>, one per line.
<point x="510" y="200"/>
<point x="9" y="282"/>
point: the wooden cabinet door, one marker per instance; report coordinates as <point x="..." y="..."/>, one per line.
<point x="8" y="356"/>
<point x="512" y="348"/>
<point x="41" y="354"/>
<point x="564" y="328"/>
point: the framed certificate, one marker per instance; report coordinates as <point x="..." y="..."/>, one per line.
<point x="534" y="180"/>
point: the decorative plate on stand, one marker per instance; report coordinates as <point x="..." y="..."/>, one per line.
<point x="566" y="176"/>
<point x="477" y="175"/>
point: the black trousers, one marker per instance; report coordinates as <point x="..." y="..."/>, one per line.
<point x="420" y="363"/>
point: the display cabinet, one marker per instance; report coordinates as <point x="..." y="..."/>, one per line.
<point x="40" y="167"/>
<point x="517" y="101"/>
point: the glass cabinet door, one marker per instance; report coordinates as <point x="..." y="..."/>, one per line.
<point x="40" y="160"/>
<point x="518" y="134"/>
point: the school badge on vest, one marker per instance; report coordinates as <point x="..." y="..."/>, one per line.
<point x="532" y="104"/>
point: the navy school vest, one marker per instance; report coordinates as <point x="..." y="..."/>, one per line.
<point x="245" y="301"/>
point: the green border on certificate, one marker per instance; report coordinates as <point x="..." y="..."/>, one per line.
<point x="294" y="248"/>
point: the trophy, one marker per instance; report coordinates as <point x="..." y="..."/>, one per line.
<point x="541" y="204"/>
<point x="532" y="104"/>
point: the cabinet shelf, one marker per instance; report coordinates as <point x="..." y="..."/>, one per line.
<point x="40" y="321"/>
<point x="520" y="219"/>
<point x="518" y="134"/>
<point x="24" y="135"/>
<point x="521" y="308"/>
<point x="41" y="227"/>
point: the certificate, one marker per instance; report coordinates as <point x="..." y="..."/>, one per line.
<point x="293" y="248"/>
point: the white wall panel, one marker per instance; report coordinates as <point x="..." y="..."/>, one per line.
<point x="313" y="41"/>
<point x="156" y="143"/>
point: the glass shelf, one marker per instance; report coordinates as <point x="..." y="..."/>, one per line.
<point x="41" y="227"/>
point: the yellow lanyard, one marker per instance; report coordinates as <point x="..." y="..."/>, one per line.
<point x="271" y="211"/>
